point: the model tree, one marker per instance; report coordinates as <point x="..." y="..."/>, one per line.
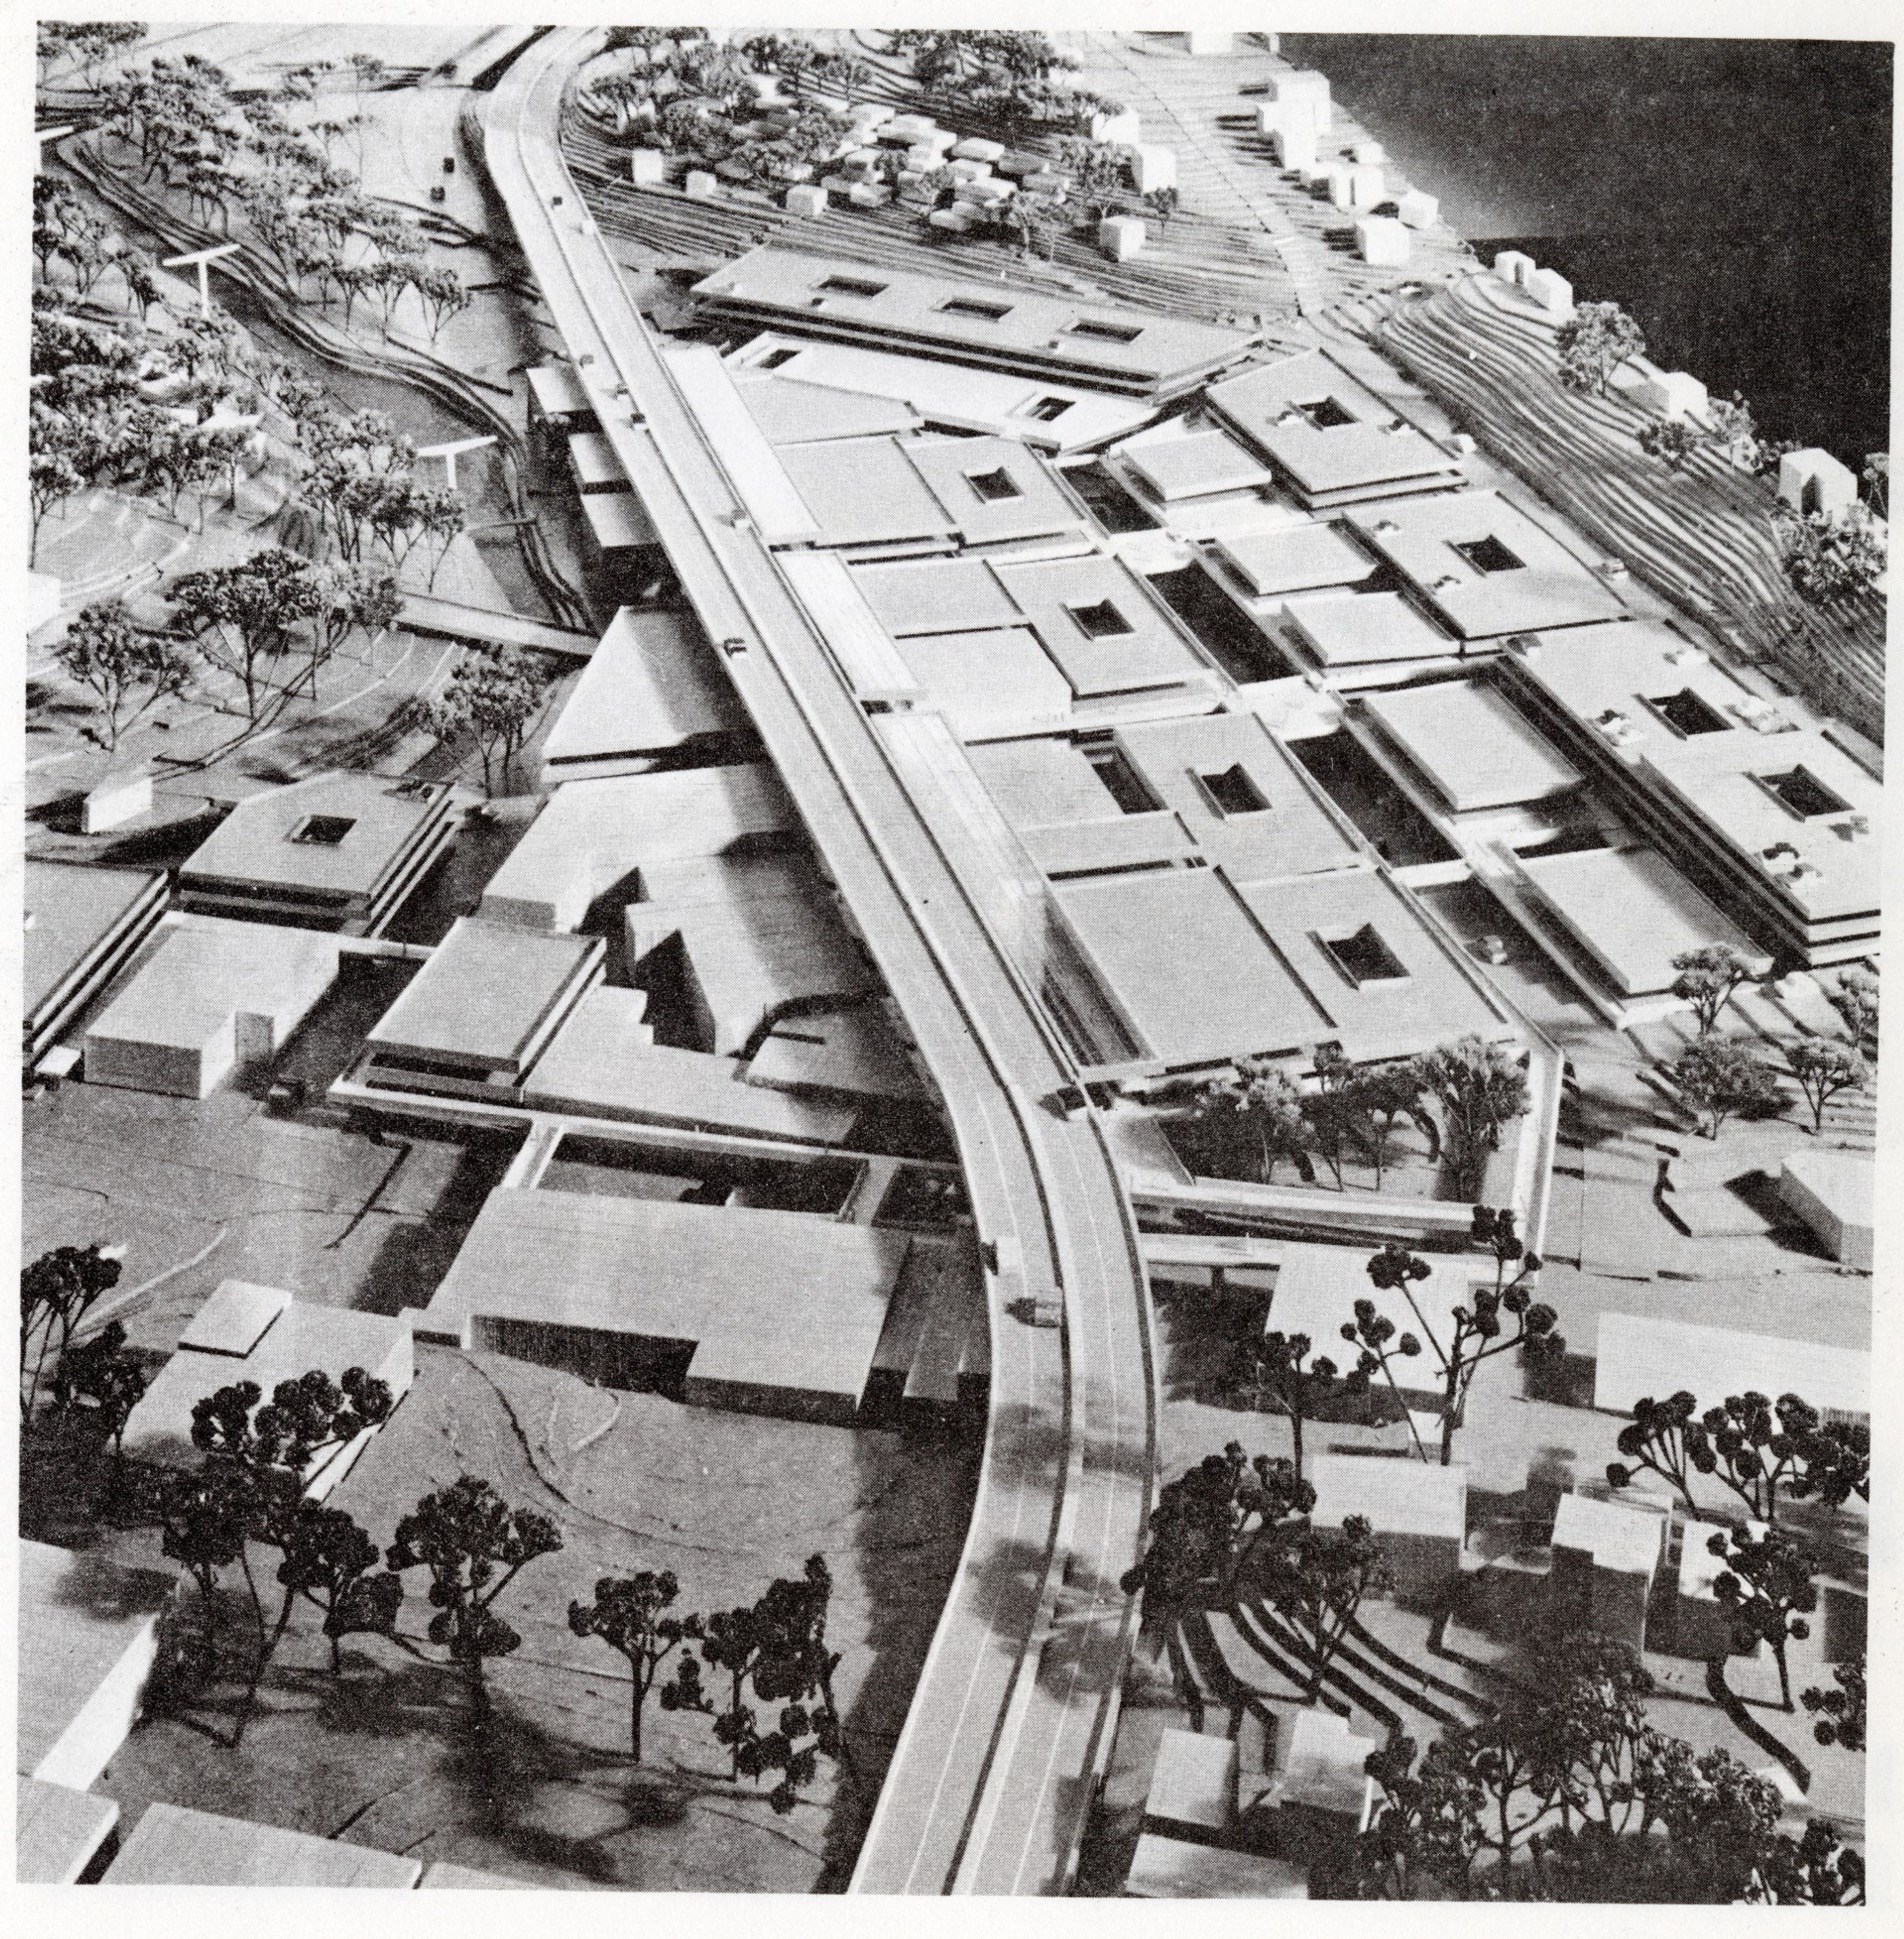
<point x="1209" y="1524"/>
<point x="1593" y="343"/>
<point x="1481" y="1089"/>
<point x="128" y="669"/>
<point x="1761" y="1451"/>
<point x="1478" y="1334"/>
<point x="629" y="1614"/>
<point x="1854" y="997"/>
<point x="491" y="697"/>
<point x="99" y="1381"/>
<point x="1830" y="559"/>
<point x="1671" y="440"/>
<point x="1840" y="1712"/>
<point x="1823" y="1070"/>
<point x="243" y="618"/>
<point x="1298" y="1390"/>
<point x="1316" y="1580"/>
<point x="1246" y="1125"/>
<point x="1707" y="978"/>
<point x="793" y="1668"/>
<point x="331" y="1563"/>
<point x="1767" y="1590"/>
<point x="1718" y="1077"/>
<point x="56" y="1292"/>
<point x="474" y="1545"/>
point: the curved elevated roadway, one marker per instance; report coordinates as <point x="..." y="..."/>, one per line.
<point x="1011" y="1720"/>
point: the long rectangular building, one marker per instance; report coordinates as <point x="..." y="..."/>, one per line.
<point x="1037" y="332"/>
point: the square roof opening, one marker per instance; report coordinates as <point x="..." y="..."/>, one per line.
<point x="1047" y="410"/>
<point x="324" y="831"/>
<point x="1488" y="554"/>
<point x="1102" y="332"/>
<point x="1689" y="712"/>
<point x="849" y="286"/>
<point x="1327" y="413"/>
<point x="1364" y="957"/>
<point x="1233" y="792"/>
<point x="1100" y="620"/>
<point x="1802" y="792"/>
<point x="975" y="307"/>
<point x="994" y="485"/>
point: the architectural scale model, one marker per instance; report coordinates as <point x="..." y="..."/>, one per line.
<point x="932" y="985"/>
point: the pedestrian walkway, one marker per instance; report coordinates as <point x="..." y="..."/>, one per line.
<point x="447" y="619"/>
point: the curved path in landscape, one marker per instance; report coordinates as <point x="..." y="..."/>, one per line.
<point x="1011" y="1722"/>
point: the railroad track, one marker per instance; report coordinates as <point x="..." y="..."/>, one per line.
<point x="1011" y="1722"/>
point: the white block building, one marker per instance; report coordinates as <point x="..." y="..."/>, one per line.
<point x="1814" y="481"/>
<point x="1381" y="240"/>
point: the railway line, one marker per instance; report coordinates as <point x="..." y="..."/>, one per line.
<point x="1011" y="1720"/>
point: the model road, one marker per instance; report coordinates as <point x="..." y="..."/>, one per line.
<point x="1011" y="1720"/>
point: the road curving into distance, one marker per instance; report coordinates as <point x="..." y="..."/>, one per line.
<point x="1010" y="1724"/>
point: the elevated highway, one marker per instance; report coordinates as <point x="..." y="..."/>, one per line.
<point x="1011" y="1722"/>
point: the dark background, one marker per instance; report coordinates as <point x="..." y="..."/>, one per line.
<point x="1733" y="195"/>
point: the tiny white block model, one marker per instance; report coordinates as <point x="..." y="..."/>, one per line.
<point x="806" y="198"/>
<point x="702" y="187"/>
<point x="974" y="150"/>
<point x="1154" y="168"/>
<point x="1304" y="84"/>
<point x="1122" y="126"/>
<point x="912" y="128"/>
<point x="646" y="166"/>
<point x="869" y="195"/>
<point x="1511" y="266"/>
<point x="1814" y="481"/>
<point x="1366" y="186"/>
<point x="1552" y="291"/>
<point x="958" y="220"/>
<point x="116" y="799"/>
<point x="873" y="114"/>
<point x="966" y="169"/>
<point x="1371" y="154"/>
<point x="1295" y="147"/>
<point x="1121" y="237"/>
<point x="1419" y="209"/>
<point x="1210" y="43"/>
<point x="1381" y="240"/>
<point x="1316" y="174"/>
<point x="986" y="194"/>
<point x="1341" y="185"/>
<point x="1671" y="394"/>
<point x="1294" y="114"/>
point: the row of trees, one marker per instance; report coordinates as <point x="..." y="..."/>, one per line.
<point x="1013" y="80"/>
<point x="762" y="1672"/>
<point x="1827" y="557"/>
<point x="1246" y="1123"/>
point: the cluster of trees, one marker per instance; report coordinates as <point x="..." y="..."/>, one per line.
<point x="244" y="156"/>
<point x="1832" y="556"/>
<point x="1569" y="1793"/>
<point x="1232" y="1528"/>
<point x="1246" y="1123"/>
<point x="490" y="700"/>
<point x="762" y="1672"/>
<point x="1719" y="1077"/>
<point x="81" y="49"/>
<point x="1012" y="81"/>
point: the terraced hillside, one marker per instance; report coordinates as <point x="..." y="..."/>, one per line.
<point x="1703" y="536"/>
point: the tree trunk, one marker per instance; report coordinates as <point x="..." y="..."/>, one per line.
<point x="636" y="1693"/>
<point x="1295" y="1438"/>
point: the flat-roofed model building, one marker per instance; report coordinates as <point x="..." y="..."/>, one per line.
<point x="1192" y="464"/>
<point x="171" y="1845"/>
<point x="1625" y="913"/>
<point x="593" y="835"/>
<point x="1045" y="414"/>
<point x="1772" y="821"/>
<point x="1483" y="567"/>
<point x="1639" y="1355"/>
<point x="59" y="1833"/>
<point x="1472" y="747"/>
<point x="212" y="996"/>
<point x="652" y="690"/>
<point x="1833" y="1192"/>
<point x="263" y="1335"/>
<point x="475" y="1017"/>
<point x="1036" y="332"/>
<point x="1336" y="630"/>
<point x="340" y="851"/>
<point x="767" y="1312"/>
<point x="968" y="492"/>
<point x="1418" y="1513"/>
<point x="1606" y="1555"/>
<point x="1306" y="558"/>
<point x="1330" y="439"/>
<point x="1217" y="784"/>
<point x="89" y="1637"/>
<point x="83" y="925"/>
<point x="789" y="412"/>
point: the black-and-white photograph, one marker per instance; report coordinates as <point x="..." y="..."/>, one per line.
<point x="950" y="957"/>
